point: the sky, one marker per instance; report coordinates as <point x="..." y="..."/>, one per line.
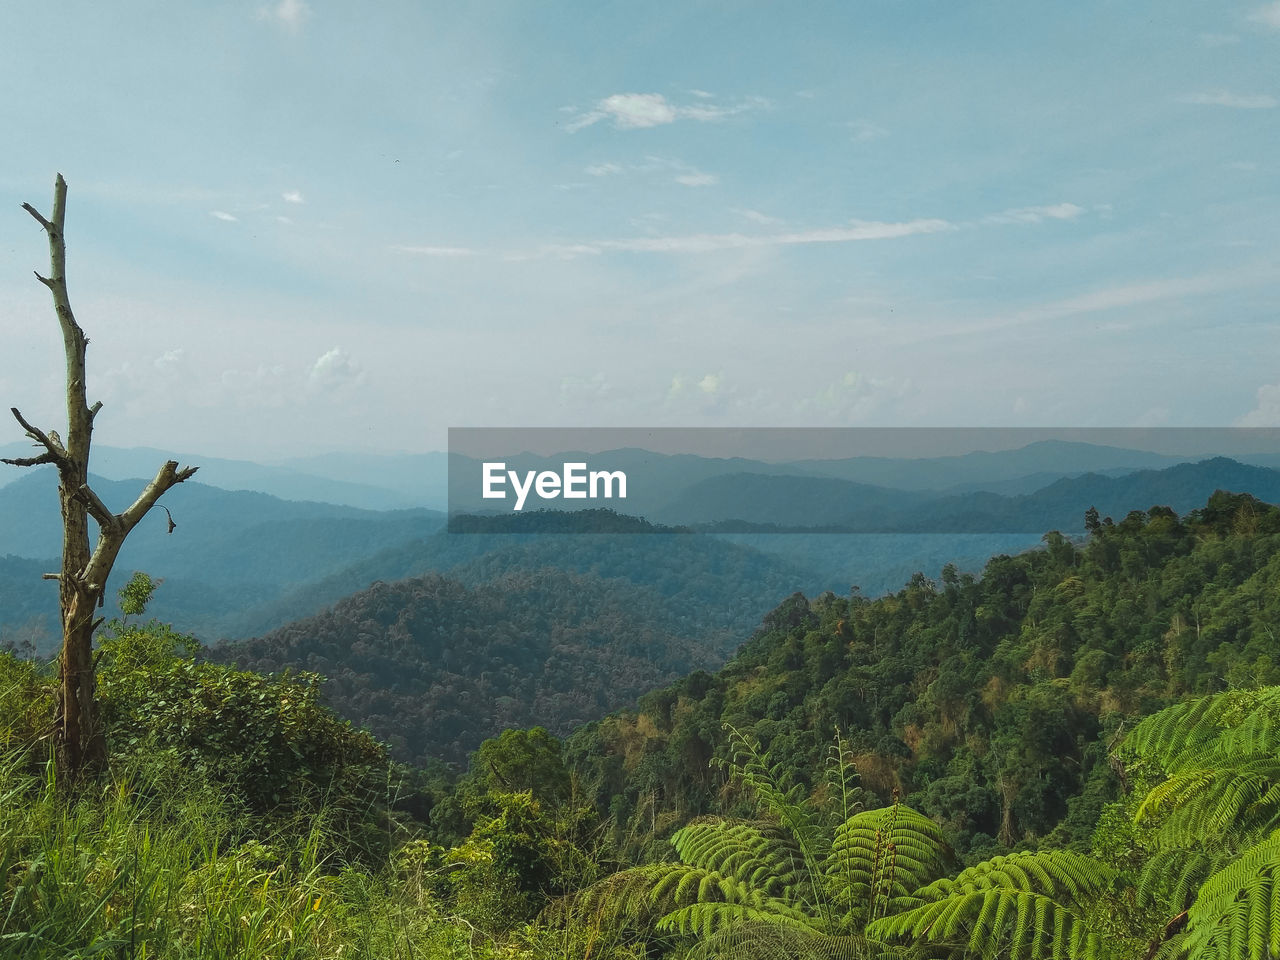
<point x="304" y="226"/>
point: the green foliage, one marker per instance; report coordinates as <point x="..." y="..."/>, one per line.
<point x="26" y="708"/>
<point x="1028" y="905"/>
<point x="517" y="859"/>
<point x="987" y="703"/>
<point x="878" y="857"/>
<point x="267" y="742"/>
<point x="434" y="666"/>
<point x="781" y="883"/>
<point x="1209" y="823"/>
<point x="136" y="594"/>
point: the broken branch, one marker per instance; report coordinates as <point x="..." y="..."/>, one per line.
<point x="35" y="433"/>
<point x="36" y="213"/>
<point x="97" y="509"/>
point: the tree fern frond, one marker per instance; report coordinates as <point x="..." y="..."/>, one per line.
<point x="1184" y="730"/>
<point x="1065" y="876"/>
<point x="1234" y="913"/>
<point x="880" y="856"/>
<point x="705" y="919"/>
<point x="625" y="897"/>
<point x="759" y="854"/>
<point x="1205" y="802"/>
<point x="1173" y="876"/>
<point x="998" y="920"/>
<point x="751" y="766"/>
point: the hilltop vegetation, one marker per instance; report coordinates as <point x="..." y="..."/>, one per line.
<point x="434" y="667"/>
<point x="961" y="768"/>
<point x="988" y="703"/>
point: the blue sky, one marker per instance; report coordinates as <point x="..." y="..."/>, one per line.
<point x="297" y="227"/>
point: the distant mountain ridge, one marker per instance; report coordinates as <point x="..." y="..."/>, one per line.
<point x="229" y="550"/>
<point x="830" y="504"/>
<point x="285" y="482"/>
<point x="243" y="563"/>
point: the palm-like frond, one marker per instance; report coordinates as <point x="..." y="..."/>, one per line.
<point x="1223" y="727"/>
<point x="1026" y="905"/>
<point x="1237" y="912"/>
<point x="757" y="854"/>
<point x="706" y="918"/>
<point x="750" y="765"/>
<point x="1173" y="876"/>
<point x="1217" y="812"/>
<point x="880" y="856"/>
<point x="1216" y="797"/>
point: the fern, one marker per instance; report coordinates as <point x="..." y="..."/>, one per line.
<point x="1027" y="905"/>
<point x="1215" y="819"/>
<point x="768" y="887"/>
<point x="1237" y="911"/>
<point x="759" y="941"/>
<point x="1222" y="726"/>
<point x="1173" y="876"/>
<point x="879" y="856"/>
<point x="1204" y="802"/>
<point x="758" y="854"/>
<point x="751" y="766"/>
<point x="706" y="919"/>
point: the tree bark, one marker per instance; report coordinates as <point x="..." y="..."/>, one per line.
<point x="79" y="741"/>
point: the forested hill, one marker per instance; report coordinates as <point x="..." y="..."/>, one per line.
<point x="716" y="587"/>
<point x="433" y="666"/>
<point x="987" y="703"/>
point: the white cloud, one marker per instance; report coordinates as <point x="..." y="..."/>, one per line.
<point x="335" y="369"/>
<point x="709" y="242"/>
<point x="635" y="111"/>
<point x="223" y="215"/>
<point x="696" y="178"/>
<point x="266" y="386"/>
<point x="292" y="196"/>
<point x="436" y="251"/>
<point x="1268" y="16"/>
<point x="1237" y="101"/>
<point x="863" y="131"/>
<point x="584" y="391"/>
<point x="854" y="230"/>
<point x="1057" y="211"/>
<point x="855" y="397"/>
<point x="685" y="175"/>
<point x="630" y="111"/>
<point x="706" y="393"/>
<point x="1267" y="411"/>
<point x="170" y="360"/>
<point x="702" y="93"/>
<point x="290" y="14"/>
<point x="755" y="216"/>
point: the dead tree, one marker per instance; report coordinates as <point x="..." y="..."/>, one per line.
<point x="79" y="742"/>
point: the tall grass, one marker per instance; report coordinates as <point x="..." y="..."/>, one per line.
<point x="159" y="858"/>
<point x="133" y="871"/>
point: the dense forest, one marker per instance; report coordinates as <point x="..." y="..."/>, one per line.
<point x="1070" y="754"/>
<point x="433" y="667"/>
<point x="988" y="703"/>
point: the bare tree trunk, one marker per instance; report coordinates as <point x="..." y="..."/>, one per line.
<point x="79" y="739"/>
